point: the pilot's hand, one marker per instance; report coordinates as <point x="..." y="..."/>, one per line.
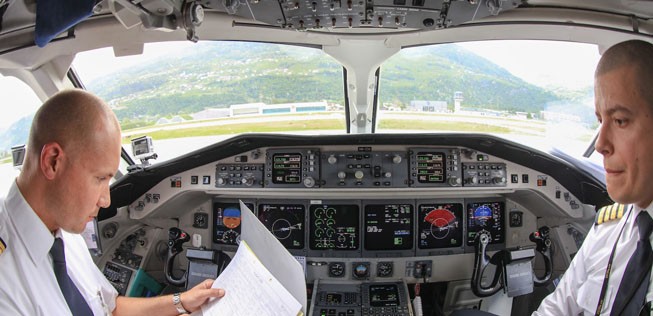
<point x="200" y="294"/>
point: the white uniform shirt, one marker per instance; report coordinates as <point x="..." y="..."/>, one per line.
<point x="28" y="285"/>
<point x="579" y="289"/>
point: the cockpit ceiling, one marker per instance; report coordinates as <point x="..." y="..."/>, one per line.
<point x="194" y="19"/>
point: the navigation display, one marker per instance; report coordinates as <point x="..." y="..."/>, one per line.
<point x="226" y="223"/>
<point x="487" y="216"/>
<point x="431" y="167"/>
<point x="384" y="295"/>
<point x="334" y="227"/>
<point x="286" y="222"/>
<point x="440" y="225"/>
<point x="388" y="226"/>
<point x="286" y="168"/>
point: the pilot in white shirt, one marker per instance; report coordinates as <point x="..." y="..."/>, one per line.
<point x="25" y="260"/>
<point x="579" y="289"/>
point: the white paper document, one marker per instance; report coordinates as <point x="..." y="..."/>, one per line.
<point x="251" y="290"/>
<point x="262" y="279"/>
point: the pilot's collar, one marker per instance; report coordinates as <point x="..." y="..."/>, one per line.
<point x="31" y="231"/>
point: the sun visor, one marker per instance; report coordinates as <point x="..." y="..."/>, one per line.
<point x="56" y="16"/>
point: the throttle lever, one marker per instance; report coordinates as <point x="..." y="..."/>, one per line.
<point x="542" y="242"/>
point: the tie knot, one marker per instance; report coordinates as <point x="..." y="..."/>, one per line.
<point x="57" y="251"/>
<point x="645" y="225"/>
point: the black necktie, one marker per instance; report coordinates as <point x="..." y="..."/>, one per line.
<point x="634" y="285"/>
<point x="74" y="298"/>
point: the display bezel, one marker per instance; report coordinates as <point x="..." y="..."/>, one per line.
<point x="388" y="250"/>
<point x="495" y="243"/>
<point x="459" y="248"/>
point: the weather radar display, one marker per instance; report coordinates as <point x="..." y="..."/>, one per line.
<point x="440" y="225"/>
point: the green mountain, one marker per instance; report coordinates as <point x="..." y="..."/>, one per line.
<point x="222" y="74"/>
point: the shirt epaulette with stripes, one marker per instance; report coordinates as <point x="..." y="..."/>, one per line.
<point x="610" y="213"/>
<point x="3" y="246"/>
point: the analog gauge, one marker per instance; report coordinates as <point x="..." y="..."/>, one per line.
<point x="361" y="270"/>
<point x="336" y="269"/>
<point x="384" y="269"/>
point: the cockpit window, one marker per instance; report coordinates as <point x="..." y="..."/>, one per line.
<point x="19" y="105"/>
<point x="538" y="93"/>
<point x="186" y="96"/>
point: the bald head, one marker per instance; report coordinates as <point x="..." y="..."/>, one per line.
<point x="73" y="119"/>
<point x="634" y="53"/>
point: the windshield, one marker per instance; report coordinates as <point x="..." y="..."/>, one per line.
<point x="533" y="92"/>
<point x="186" y="96"/>
<point x="210" y="91"/>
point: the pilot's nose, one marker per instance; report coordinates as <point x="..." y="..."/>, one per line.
<point x="603" y="144"/>
<point x="105" y="198"/>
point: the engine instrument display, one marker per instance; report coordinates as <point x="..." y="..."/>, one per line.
<point x="440" y="225"/>
<point x="286" y="222"/>
<point x="286" y="168"/>
<point x="431" y="167"/>
<point x="388" y="226"/>
<point x="382" y="295"/>
<point x="226" y="223"/>
<point x="487" y="216"/>
<point x="334" y="227"/>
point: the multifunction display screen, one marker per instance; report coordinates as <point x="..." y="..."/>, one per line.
<point x="286" y="222"/>
<point x="487" y="216"/>
<point x="226" y="223"/>
<point x="431" y="167"/>
<point x="334" y="227"/>
<point x="384" y="295"/>
<point x="286" y="168"/>
<point x="388" y="227"/>
<point x="440" y="225"/>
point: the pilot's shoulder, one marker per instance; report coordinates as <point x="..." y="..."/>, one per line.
<point x="609" y="214"/>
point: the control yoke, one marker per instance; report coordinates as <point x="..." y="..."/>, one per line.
<point x="176" y="238"/>
<point x="481" y="262"/>
<point x="513" y="268"/>
<point x="543" y="246"/>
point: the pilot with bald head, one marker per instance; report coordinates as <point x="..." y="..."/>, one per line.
<point x="73" y="152"/>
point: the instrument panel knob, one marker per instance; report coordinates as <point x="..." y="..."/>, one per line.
<point x="309" y="182"/>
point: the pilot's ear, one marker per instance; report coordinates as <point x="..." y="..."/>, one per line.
<point x="51" y="159"/>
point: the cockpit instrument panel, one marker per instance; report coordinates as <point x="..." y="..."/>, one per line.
<point x="486" y="215"/>
<point x="226" y="222"/>
<point x="389" y="226"/>
<point x="435" y="167"/>
<point x="292" y="168"/>
<point x="334" y="226"/>
<point x="440" y="225"/>
<point x="285" y="221"/>
<point x="286" y="168"/>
